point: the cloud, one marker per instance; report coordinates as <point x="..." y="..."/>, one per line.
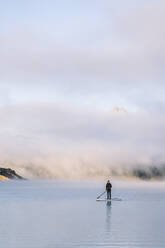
<point x="62" y="142"/>
<point x="130" y="49"/>
<point x="115" y="58"/>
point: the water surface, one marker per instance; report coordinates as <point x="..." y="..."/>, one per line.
<point x="50" y="214"/>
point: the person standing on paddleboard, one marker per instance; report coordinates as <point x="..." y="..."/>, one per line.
<point x="108" y="189"/>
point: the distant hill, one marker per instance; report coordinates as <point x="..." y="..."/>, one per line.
<point x="7" y="174"/>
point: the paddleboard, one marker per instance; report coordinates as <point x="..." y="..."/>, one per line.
<point x="109" y="200"/>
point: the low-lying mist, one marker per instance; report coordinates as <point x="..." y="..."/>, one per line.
<point x="55" y="141"/>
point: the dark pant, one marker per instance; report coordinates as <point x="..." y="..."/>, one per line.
<point x="108" y="194"/>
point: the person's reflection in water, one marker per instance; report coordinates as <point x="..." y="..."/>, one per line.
<point x="108" y="219"/>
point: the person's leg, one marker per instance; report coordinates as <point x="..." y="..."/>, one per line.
<point x="108" y="195"/>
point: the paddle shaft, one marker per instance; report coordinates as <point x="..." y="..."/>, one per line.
<point x="101" y="195"/>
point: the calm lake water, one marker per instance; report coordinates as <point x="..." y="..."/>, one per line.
<point x="50" y="214"/>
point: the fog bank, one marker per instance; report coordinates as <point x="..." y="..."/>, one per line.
<point x="57" y="141"/>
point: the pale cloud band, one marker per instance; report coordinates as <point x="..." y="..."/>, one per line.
<point x="64" y="142"/>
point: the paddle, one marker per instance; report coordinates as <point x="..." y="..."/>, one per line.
<point x="101" y="195"/>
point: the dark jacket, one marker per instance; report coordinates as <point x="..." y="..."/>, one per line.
<point x="108" y="187"/>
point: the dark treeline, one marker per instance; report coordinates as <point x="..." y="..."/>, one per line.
<point x="142" y="172"/>
<point x="151" y="172"/>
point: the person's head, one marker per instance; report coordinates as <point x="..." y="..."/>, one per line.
<point x="108" y="181"/>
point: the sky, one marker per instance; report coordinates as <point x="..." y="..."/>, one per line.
<point x="64" y="68"/>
